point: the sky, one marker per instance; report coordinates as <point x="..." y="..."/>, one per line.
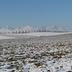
<point x="35" y="12"/>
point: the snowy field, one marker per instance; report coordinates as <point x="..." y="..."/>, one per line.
<point x="39" y="54"/>
<point x="5" y="37"/>
<point x="33" y="34"/>
<point x="42" y="33"/>
<point x="9" y="36"/>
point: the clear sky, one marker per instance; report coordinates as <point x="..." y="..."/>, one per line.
<point x="35" y="12"/>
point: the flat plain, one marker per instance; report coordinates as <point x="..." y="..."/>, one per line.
<point x="36" y="54"/>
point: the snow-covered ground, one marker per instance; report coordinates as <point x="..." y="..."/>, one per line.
<point x="46" y="33"/>
<point x="37" y="54"/>
<point x="38" y="34"/>
<point x="41" y="34"/>
<point x="5" y="37"/>
<point x="31" y="34"/>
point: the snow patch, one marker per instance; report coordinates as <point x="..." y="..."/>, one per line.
<point x="6" y="37"/>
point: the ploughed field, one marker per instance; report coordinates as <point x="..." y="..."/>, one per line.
<point x="37" y="54"/>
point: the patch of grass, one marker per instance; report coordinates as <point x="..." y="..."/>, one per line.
<point x="38" y="64"/>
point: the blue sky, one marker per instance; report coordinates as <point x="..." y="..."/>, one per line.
<point x="35" y="12"/>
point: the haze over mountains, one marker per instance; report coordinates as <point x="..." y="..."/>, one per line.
<point x="28" y="29"/>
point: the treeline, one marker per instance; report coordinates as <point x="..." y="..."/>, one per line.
<point x="29" y="29"/>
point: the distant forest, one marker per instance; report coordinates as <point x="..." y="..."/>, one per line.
<point x="28" y="29"/>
